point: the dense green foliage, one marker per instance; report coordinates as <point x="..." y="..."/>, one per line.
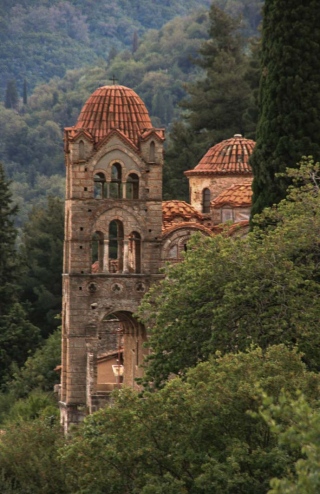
<point x="226" y="294"/>
<point x="42" y="251"/>
<point x="301" y="432"/>
<point x="289" y="124"/>
<point x="194" y="436"/>
<point x="161" y="63"/>
<point x="28" y="459"/>
<point x="17" y="335"/>
<point x="8" y="261"/>
<point x="41" y="39"/>
<point x="30" y="387"/>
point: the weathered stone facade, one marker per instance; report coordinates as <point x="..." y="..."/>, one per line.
<point x="113" y="222"/>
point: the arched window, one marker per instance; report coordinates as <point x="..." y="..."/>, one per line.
<point x="100" y="186"/>
<point x="206" y="201"/>
<point x="132" y="186"/>
<point x="97" y="252"/>
<point x="115" y="246"/>
<point x="115" y="185"/>
<point x="81" y="150"/>
<point x="152" y="152"/>
<point x="134" y="256"/>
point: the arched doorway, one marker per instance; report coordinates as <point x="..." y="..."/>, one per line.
<point x="121" y="351"/>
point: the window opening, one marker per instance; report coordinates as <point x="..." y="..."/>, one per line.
<point x="81" y="150"/>
<point x="206" y="201"/>
<point x="115" y="247"/>
<point x="115" y="185"/>
<point x="152" y="152"/>
<point x="132" y="186"/>
<point x="100" y="186"/>
<point x="97" y="252"/>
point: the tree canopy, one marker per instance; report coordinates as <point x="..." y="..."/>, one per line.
<point x="289" y="122"/>
<point x="200" y="435"/>
<point x="231" y="292"/>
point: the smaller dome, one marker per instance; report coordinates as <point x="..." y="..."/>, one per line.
<point x="227" y="157"/>
<point x="235" y="196"/>
<point x="114" y="107"/>
<point x="174" y="209"/>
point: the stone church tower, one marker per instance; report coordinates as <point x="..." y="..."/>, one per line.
<point x="113" y="221"/>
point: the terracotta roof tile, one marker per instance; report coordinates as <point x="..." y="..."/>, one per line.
<point x="114" y="107"/>
<point x="227" y="157"/>
<point x="172" y="211"/>
<point x="237" y="195"/>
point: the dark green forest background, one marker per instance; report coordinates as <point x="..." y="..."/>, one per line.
<point x="53" y="54"/>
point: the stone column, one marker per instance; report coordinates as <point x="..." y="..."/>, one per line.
<point x="106" y="256"/>
<point x="125" y="256"/>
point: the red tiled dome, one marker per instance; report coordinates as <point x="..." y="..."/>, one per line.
<point x="235" y="196"/>
<point x="227" y="157"/>
<point x="114" y="107"/>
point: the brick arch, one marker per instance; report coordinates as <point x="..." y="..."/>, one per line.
<point x="128" y="342"/>
<point x="119" y="148"/>
<point x="125" y="215"/>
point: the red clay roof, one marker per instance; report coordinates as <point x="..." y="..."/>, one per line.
<point x="172" y="209"/>
<point x="237" y="195"/>
<point x="227" y="157"/>
<point x="114" y="107"/>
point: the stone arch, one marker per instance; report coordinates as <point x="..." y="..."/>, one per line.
<point x="174" y="242"/>
<point x="123" y="213"/>
<point x="123" y="338"/>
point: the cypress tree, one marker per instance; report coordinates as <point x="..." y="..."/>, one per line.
<point x="8" y="233"/>
<point x="25" y="93"/>
<point x="11" y="96"/>
<point x="289" y="123"/>
<point x="135" y="42"/>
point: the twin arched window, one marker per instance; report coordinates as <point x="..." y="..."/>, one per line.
<point x="114" y="189"/>
<point x="115" y="254"/>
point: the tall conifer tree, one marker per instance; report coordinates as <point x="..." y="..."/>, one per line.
<point x="8" y="264"/>
<point x="289" y="124"/>
<point x="217" y="104"/>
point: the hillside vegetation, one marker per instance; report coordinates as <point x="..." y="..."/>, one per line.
<point x="157" y="65"/>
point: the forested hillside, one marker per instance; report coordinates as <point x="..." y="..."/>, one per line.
<point x="46" y="37"/>
<point x="41" y="39"/>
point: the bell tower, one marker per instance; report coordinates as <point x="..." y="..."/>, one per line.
<point x="113" y="221"/>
